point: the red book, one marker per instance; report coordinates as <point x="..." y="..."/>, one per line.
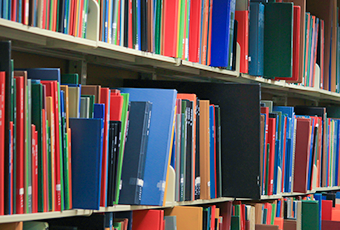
<point x="52" y="91"/>
<point x="48" y="7"/>
<point x="326" y="210"/>
<point x="195" y="30"/>
<point x="45" y="163"/>
<point x="302" y="148"/>
<point x="11" y="181"/>
<point x="296" y="47"/>
<point x="25" y="12"/>
<point x="147" y="219"/>
<point x="271" y="141"/>
<point x="243" y="216"/>
<point x="116" y="106"/>
<point x="170" y="27"/>
<point x="105" y="99"/>
<point x="130" y="36"/>
<point x="315" y="51"/>
<point x="14" y="11"/>
<point x="70" y="165"/>
<point x="212" y="221"/>
<point x="242" y="18"/>
<point x="322" y="48"/>
<point x="2" y="141"/>
<point x="54" y="18"/>
<point x="34" y="170"/>
<point x="80" y="18"/>
<point x="72" y="18"/>
<point x="268" y="206"/>
<point x="225" y="213"/>
<point x="306" y="45"/>
<point x="20" y="142"/>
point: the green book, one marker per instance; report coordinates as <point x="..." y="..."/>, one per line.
<point x="124" y="120"/>
<point x="62" y="201"/>
<point x="84" y="23"/>
<point x="37" y="105"/>
<point x="117" y="225"/>
<point x="71" y="78"/>
<point x="235" y="223"/>
<point x="278" y="43"/>
<point x="183" y="148"/>
<point x="92" y="98"/>
<point x="181" y="10"/>
<point x="273" y="213"/>
<point x="310" y="215"/>
<point x="158" y="25"/>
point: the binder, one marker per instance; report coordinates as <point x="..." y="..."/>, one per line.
<point x="157" y="155"/>
<point x="87" y="147"/>
<point x="238" y="102"/>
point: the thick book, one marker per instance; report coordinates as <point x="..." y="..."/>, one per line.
<point x="310" y="215"/>
<point x="158" y="150"/>
<point x="278" y="44"/>
<point x="87" y="146"/>
<point x="220" y="33"/>
<point x="302" y="148"/>
<point x="170" y="28"/>
<point x="194" y="30"/>
<point x="256" y="39"/>
<point x="5" y="66"/>
<point x="135" y="153"/>
<point x="243" y="99"/>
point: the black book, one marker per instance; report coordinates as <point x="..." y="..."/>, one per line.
<point x="5" y="65"/>
<point x="144" y="25"/>
<point x="240" y="129"/>
<point x="233" y="55"/>
<point x="197" y="153"/>
<point x="218" y="151"/>
<point x="188" y="161"/>
<point x="135" y="153"/>
<point x="115" y="158"/>
<point x="126" y="23"/>
<point x="60" y="18"/>
<point x="331" y="196"/>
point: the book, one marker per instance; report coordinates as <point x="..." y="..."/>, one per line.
<point x="147" y="219"/>
<point x="256" y="38"/>
<point x="87" y="141"/>
<point x="278" y="44"/>
<point x="134" y="155"/>
<point x="242" y="18"/>
<point x="186" y="217"/>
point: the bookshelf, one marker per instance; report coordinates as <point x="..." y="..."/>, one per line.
<point x="82" y="52"/>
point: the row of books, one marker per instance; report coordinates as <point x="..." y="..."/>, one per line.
<point x="318" y="211"/>
<point x="300" y="148"/>
<point x="65" y="16"/>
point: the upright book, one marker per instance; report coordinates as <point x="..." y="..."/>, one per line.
<point x="87" y="147"/>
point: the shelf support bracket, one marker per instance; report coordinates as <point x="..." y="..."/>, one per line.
<point x="79" y="67"/>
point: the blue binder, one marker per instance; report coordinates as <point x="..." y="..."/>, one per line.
<point x="87" y="147"/>
<point x="158" y="150"/>
<point x="220" y="33"/>
<point x="256" y="38"/>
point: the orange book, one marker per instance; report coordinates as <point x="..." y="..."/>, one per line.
<point x="45" y="179"/>
<point x="205" y="33"/>
<point x="279" y="222"/>
<point x="204" y="150"/>
<point x="192" y="98"/>
<point x="188" y="218"/>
